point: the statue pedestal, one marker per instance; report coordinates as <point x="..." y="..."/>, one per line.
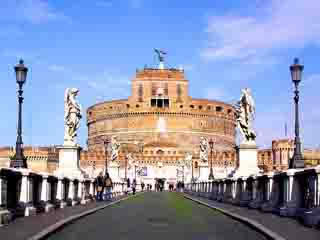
<point x="248" y="160"/>
<point x="69" y="162"/>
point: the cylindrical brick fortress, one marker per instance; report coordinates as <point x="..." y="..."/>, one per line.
<point x="161" y="114"/>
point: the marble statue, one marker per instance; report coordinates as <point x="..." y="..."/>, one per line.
<point x="187" y="161"/>
<point x="245" y="111"/>
<point x="115" y="146"/>
<point x="160" y="54"/>
<point x="130" y="160"/>
<point x="204" y="149"/>
<point x="72" y="116"/>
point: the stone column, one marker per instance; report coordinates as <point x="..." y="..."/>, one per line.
<point x="25" y="201"/>
<point x="60" y="192"/>
<point x="254" y="189"/>
<point x="224" y="193"/>
<point x="45" y="194"/>
<point x="71" y="193"/>
<point x="270" y="186"/>
<point x="244" y="189"/>
<point x="318" y="190"/>
<point x="3" y="194"/>
<point x="82" y="192"/>
<point x="244" y="199"/>
<point x="5" y="215"/>
<point x="234" y="189"/>
<point x="91" y="191"/>
<point x="289" y="209"/>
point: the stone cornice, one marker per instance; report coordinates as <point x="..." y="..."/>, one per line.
<point x="164" y="113"/>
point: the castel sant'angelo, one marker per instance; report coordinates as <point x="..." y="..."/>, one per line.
<point x="159" y="124"/>
<point x="156" y="129"/>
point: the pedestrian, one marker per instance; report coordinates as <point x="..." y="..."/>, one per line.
<point x="100" y="186"/>
<point x="128" y="185"/>
<point x="142" y="186"/>
<point x="133" y="186"/>
<point x="109" y="186"/>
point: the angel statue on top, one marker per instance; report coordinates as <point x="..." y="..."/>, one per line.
<point x="204" y="148"/>
<point x="245" y="112"/>
<point x="72" y="116"/>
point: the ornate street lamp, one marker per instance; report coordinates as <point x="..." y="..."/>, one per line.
<point x="225" y="166"/>
<point x="106" y="143"/>
<point x="140" y="145"/>
<point x="296" y="71"/>
<point x="211" y="143"/>
<point x="19" y="160"/>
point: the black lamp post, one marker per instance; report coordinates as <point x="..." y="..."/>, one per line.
<point x="19" y="161"/>
<point x="296" y="71"/>
<point x="140" y="145"/>
<point x="106" y="143"/>
<point x="211" y="143"/>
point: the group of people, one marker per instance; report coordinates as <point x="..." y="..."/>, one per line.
<point x="104" y="184"/>
<point x="159" y="186"/>
<point x="133" y="186"/>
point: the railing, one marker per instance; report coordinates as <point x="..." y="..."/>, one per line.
<point x="292" y="193"/>
<point x="25" y="193"/>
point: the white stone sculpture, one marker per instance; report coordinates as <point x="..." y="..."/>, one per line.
<point x="130" y="160"/>
<point x="245" y="115"/>
<point x="204" y="149"/>
<point x="115" y="146"/>
<point x="187" y="161"/>
<point x="72" y="116"/>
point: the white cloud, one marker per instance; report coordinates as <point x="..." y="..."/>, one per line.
<point x="279" y="24"/>
<point x="108" y="85"/>
<point x="34" y="11"/>
<point x="216" y="94"/>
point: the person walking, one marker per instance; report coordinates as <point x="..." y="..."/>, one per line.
<point x="100" y="187"/>
<point x="128" y="185"/>
<point x="142" y="186"/>
<point x="109" y="186"/>
<point x="133" y="186"/>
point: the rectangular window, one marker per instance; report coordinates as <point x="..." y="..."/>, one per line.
<point x="160" y="103"/>
<point x="166" y="102"/>
<point x="153" y="102"/>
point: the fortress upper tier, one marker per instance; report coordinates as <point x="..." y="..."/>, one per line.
<point x="160" y="102"/>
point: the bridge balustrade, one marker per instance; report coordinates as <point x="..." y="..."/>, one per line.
<point x="291" y="193"/>
<point x="26" y="193"/>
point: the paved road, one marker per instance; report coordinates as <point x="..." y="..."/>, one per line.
<point x="157" y="215"/>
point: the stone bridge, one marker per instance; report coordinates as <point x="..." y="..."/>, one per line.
<point x="39" y="206"/>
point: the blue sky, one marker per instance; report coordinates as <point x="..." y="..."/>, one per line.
<point x="97" y="45"/>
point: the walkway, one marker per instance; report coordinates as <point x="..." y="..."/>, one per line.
<point x="157" y="215"/>
<point x="23" y="228"/>
<point x="288" y="228"/>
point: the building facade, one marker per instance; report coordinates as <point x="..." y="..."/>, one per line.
<point x="167" y="123"/>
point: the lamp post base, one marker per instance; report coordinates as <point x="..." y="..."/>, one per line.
<point x="211" y="177"/>
<point x="297" y="162"/>
<point x="18" y="163"/>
